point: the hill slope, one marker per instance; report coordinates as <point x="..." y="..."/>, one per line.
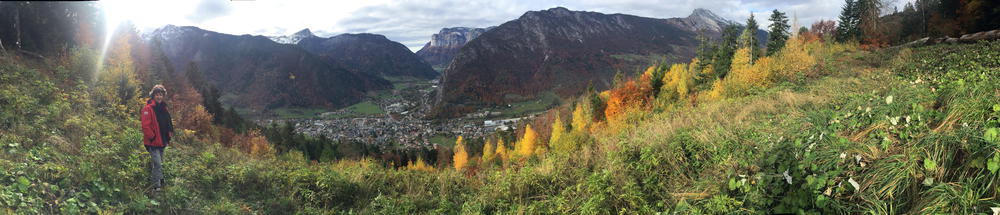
<point x="562" y="51"/>
<point x="893" y="131"/>
<point x="262" y="73"/>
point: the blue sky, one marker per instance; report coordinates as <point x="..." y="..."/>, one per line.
<point x="412" y="22"/>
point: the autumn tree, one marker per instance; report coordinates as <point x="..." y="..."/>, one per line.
<point x="557" y="139"/>
<point x="824" y="28"/>
<point x="743" y="74"/>
<point x="526" y="146"/>
<point x="778" y="33"/>
<point x="631" y="95"/>
<point x="678" y="83"/>
<point x="501" y="150"/>
<point x="420" y="165"/>
<point x="792" y="61"/>
<point x="582" y="116"/>
<point x="117" y="87"/>
<point x="489" y="152"/>
<point x="461" y="157"/>
<point x="255" y="144"/>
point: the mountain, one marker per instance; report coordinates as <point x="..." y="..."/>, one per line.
<point x="446" y="43"/>
<point x="261" y="73"/>
<point x="294" y="38"/>
<point x="563" y="51"/>
<point x="369" y="53"/>
<point x="703" y="19"/>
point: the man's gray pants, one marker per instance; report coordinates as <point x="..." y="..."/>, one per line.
<point x="156" y="165"/>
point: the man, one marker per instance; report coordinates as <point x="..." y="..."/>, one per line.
<point x="156" y="131"/>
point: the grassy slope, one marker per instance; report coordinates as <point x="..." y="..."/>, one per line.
<point x="61" y="155"/>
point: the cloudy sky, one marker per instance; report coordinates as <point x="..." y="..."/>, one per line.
<point x="413" y="22"/>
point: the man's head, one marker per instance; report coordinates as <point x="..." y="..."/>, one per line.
<point x="158" y="93"/>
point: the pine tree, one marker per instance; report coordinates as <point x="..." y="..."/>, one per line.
<point x="847" y="29"/>
<point x="461" y="157"/>
<point x="778" y="32"/>
<point x="725" y="49"/>
<point x="749" y="38"/>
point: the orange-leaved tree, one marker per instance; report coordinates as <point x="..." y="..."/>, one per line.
<point x="630" y="96"/>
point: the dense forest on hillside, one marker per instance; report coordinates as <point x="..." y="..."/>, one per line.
<point x="818" y="123"/>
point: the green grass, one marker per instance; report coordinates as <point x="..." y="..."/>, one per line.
<point x="366" y="107"/>
<point x="361" y="109"/>
<point x="298" y="113"/>
<point x="543" y="102"/>
<point x="443" y="140"/>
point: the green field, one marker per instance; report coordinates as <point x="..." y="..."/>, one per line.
<point x="361" y="109"/>
<point x="543" y="102"/>
<point x="443" y="140"/>
<point x="298" y="113"/>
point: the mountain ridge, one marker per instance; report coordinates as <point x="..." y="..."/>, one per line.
<point x="263" y="73"/>
<point x="563" y="51"/>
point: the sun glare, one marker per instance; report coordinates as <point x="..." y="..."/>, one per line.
<point x="114" y="15"/>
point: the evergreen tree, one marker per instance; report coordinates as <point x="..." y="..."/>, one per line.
<point x="749" y="38"/>
<point x="847" y="29"/>
<point x="724" y="50"/>
<point x="778" y="32"/>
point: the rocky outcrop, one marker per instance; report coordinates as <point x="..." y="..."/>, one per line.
<point x="446" y="43"/>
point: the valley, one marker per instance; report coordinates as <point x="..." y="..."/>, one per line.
<point x="397" y="118"/>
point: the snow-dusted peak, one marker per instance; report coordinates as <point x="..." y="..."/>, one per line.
<point x="293" y="38"/>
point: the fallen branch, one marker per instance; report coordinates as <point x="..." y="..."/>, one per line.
<point x="32" y="54"/>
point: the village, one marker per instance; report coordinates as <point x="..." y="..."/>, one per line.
<point x="401" y="122"/>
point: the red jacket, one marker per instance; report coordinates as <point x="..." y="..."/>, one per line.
<point x="150" y="127"/>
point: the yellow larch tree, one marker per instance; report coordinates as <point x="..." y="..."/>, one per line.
<point x="488" y="152"/>
<point x="558" y="131"/>
<point x="501" y="150"/>
<point x="461" y="157"/>
<point x="526" y="146"/>
<point x="582" y="116"/>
